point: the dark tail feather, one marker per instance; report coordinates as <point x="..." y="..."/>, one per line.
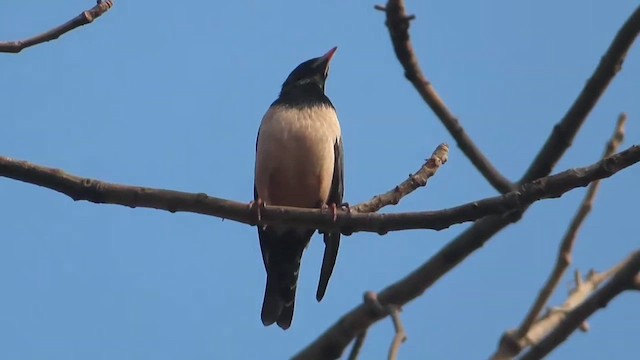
<point x="282" y="253"/>
<point x="272" y="304"/>
<point x="331" y="245"/>
<point x="286" y="316"/>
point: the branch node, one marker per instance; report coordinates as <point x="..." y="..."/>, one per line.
<point x="577" y="279"/>
<point x="370" y="298"/>
<point x="584" y="327"/>
<point x="201" y="197"/>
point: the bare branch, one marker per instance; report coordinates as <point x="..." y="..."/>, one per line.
<point x="420" y="178"/>
<point x="514" y="341"/>
<point x="346" y="222"/>
<point x="618" y="136"/>
<point x="86" y="17"/>
<point x="511" y="345"/>
<point x="400" y="336"/>
<point x="566" y="247"/>
<point x="622" y="278"/>
<point x="332" y="342"/>
<point x="375" y="307"/>
<point x="563" y="133"/>
<point x="398" y="24"/>
<point x="357" y="346"/>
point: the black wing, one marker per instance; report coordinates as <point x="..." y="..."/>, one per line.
<point x="265" y="253"/>
<point x="332" y="240"/>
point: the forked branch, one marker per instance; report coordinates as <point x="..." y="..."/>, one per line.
<point x="346" y="222"/>
<point x="514" y="341"/>
<point x="398" y="25"/>
<point x="563" y="133"/>
<point x="621" y="278"/>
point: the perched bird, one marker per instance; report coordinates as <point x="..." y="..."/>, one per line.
<point x="299" y="162"/>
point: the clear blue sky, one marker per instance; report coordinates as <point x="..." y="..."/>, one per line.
<point x="171" y="94"/>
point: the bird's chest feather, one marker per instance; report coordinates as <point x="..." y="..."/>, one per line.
<point x="295" y="155"/>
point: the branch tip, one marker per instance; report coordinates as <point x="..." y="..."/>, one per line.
<point x="414" y="181"/>
<point x="86" y="17"/>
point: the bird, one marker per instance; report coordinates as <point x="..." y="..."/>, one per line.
<point x="299" y="163"/>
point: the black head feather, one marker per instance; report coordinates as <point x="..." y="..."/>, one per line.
<point x="305" y="85"/>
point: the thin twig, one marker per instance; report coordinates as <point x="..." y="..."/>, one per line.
<point x="84" y="18"/>
<point x="514" y="341"/>
<point x="357" y="346"/>
<point x="563" y="133"/>
<point x="344" y="221"/>
<point x="400" y="336"/>
<point x="375" y="307"/>
<point x="398" y="25"/>
<point x="420" y="178"/>
<point x="622" y="279"/>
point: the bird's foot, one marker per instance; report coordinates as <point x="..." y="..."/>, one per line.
<point x="256" y="207"/>
<point x="333" y="208"/>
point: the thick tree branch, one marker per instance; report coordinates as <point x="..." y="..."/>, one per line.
<point x="84" y="18"/>
<point x="563" y="133"/>
<point x="622" y="278"/>
<point x="514" y="341"/>
<point x="398" y="25"/>
<point x="345" y="221"/>
<point x="420" y="178"/>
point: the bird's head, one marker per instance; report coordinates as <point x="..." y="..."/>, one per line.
<point x="310" y="74"/>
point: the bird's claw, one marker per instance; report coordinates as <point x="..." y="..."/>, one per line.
<point x="256" y="207"/>
<point x="345" y="207"/>
<point x="333" y="208"/>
